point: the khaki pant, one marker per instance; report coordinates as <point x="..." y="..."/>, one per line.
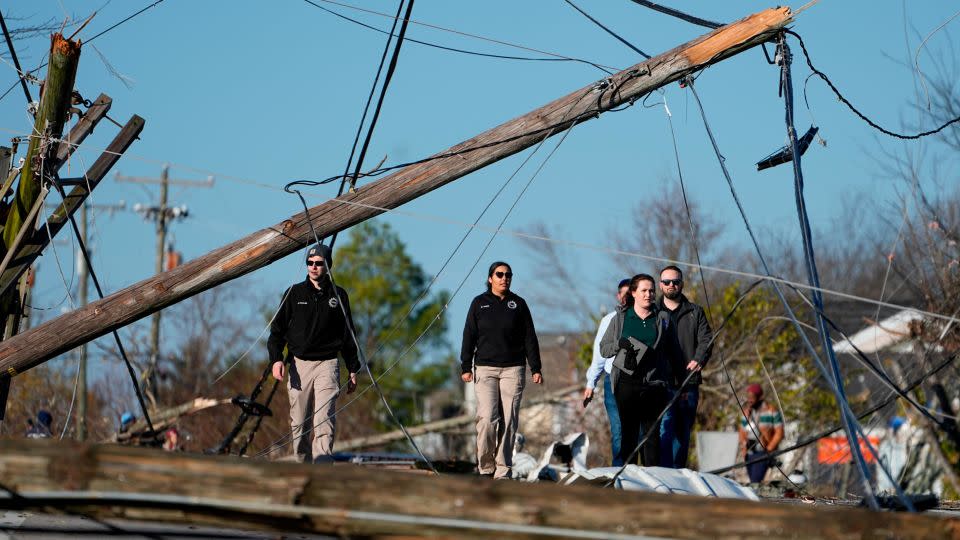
<point x="499" y="391"/>
<point x="313" y="386"/>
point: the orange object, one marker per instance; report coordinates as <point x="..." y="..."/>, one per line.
<point x="836" y="450"/>
<point x="174" y="258"/>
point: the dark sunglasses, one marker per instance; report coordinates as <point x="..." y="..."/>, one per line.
<point x="314" y="263"/>
<point x="501" y="274"/>
<point x="668" y="282"/>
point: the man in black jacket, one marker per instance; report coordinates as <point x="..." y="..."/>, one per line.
<point x="694" y="333"/>
<point x="314" y="324"/>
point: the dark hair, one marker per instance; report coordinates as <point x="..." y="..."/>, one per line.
<point x="674" y="268"/>
<point x="492" y="269"/>
<point x="635" y="282"/>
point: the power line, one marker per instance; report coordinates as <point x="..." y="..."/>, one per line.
<point x="467" y="34"/>
<point x="856" y="111"/>
<point x="607" y="30"/>
<point x="678" y="14"/>
<point x="16" y="62"/>
<point x="454" y="49"/>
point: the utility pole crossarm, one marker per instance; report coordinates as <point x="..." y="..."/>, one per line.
<point x="268" y="245"/>
<point x="30" y="251"/>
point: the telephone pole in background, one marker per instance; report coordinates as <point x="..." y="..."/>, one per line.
<point x="161" y="214"/>
<point x="83" y="277"/>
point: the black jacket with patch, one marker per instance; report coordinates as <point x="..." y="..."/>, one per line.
<point x="694" y="334"/>
<point x="311" y="324"/>
<point x="499" y="333"/>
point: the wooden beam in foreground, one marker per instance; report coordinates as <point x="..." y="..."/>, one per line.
<point x="355" y="501"/>
<point x="268" y="245"/>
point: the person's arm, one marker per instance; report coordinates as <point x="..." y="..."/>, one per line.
<point x="596" y="365"/>
<point x="704" y="347"/>
<point x="777" y="435"/>
<point x="469" y="346"/>
<point x="278" y="335"/>
<point x="610" y="343"/>
<point x="348" y="348"/>
<point x="531" y="345"/>
<point x="742" y="437"/>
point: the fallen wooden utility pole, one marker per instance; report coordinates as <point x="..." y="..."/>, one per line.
<point x="268" y="245"/>
<point x="112" y="481"/>
<point x="446" y="424"/>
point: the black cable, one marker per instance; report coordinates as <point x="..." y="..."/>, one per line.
<point x="454" y="49"/>
<point x="366" y="109"/>
<point x="817" y="436"/>
<point x="16" y="62"/>
<point x="96" y="284"/>
<point x="678" y="14"/>
<point x="377" y="172"/>
<point x="391" y="69"/>
<point x="607" y="30"/>
<point x="123" y="21"/>
<point x="856" y="111"/>
<point x="41" y="66"/>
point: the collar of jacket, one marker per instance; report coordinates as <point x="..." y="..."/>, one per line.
<point x="324" y="284"/>
<point x="491" y="296"/>
<point x="684" y="307"/>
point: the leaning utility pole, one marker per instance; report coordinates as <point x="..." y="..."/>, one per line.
<point x="161" y="214"/>
<point x="265" y="246"/>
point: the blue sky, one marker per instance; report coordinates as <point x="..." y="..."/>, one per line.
<point x="267" y="92"/>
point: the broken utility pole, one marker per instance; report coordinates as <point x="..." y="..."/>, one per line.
<point x="268" y="245"/>
<point x="24" y="208"/>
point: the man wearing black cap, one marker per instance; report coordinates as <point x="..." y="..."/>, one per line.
<point x="314" y="325"/>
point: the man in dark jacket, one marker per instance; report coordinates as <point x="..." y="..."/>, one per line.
<point x="694" y="334"/>
<point x="314" y="324"/>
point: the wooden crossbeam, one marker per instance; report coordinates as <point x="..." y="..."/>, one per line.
<point x="75" y="197"/>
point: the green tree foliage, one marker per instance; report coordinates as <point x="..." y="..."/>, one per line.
<point x="384" y="282"/>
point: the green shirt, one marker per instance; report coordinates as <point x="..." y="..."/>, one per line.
<point x="643" y="330"/>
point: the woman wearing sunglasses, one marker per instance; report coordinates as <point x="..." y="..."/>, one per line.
<point x="498" y="341"/>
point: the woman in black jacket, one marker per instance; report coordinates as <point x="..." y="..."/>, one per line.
<point x="498" y="340"/>
<point x="643" y="342"/>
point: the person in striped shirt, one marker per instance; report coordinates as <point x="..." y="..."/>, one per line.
<point x="761" y="431"/>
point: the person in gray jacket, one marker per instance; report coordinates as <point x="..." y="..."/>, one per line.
<point x="643" y="342"/>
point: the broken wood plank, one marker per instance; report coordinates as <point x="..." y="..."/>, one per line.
<point x="75" y="197"/>
<point x="271" y="244"/>
<point x="353" y="501"/>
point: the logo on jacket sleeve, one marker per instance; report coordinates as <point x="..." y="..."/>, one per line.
<point x="333" y="302"/>
<point x="511" y="304"/>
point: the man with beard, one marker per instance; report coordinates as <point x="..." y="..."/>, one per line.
<point x="694" y="334"/>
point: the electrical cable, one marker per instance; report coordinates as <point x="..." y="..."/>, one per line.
<point x="366" y="109"/>
<point x="607" y="30"/>
<point x="454" y="49"/>
<point x="116" y="335"/>
<point x="383" y="94"/>
<point x="856" y="111"/>
<point x="678" y="14"/>
<point x="16" y="62"/>
<point x="706" y="295"/>
<point x="467" y="34"/>
<point x="806" y="342"/>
